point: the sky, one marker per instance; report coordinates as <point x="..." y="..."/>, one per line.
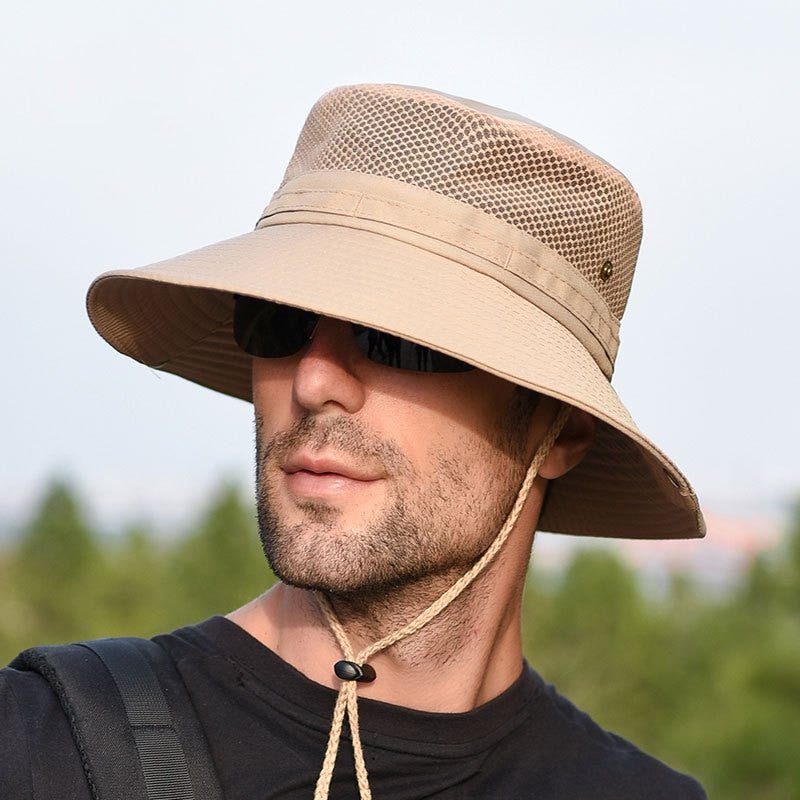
<point x="135" y="131"/>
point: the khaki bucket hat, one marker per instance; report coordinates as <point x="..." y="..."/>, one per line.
<point x="462" y="227"/>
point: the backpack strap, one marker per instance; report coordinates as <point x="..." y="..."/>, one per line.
<point x="131" y="717"/>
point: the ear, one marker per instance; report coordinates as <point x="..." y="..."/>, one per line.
<point x="571" y="445"/>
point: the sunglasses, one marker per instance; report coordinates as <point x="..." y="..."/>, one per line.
<point x="270" y="330"/>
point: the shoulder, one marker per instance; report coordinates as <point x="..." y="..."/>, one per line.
<point x="63" y="719"/>
<point x="593" y="762"/>
<point x="38" y="757"/>
<point x="47" y="691"/>
<point x="14" y="757"/>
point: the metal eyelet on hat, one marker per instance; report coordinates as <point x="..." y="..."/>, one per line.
<point x="606" y="271"/>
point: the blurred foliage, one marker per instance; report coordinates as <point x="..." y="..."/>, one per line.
<point x="61" y="580"/>
<point x="709" y="685"/>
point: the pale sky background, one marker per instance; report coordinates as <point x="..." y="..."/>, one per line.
<point x="134" y="131"/>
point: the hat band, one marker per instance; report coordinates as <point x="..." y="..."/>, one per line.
<point x="459" y="232"/>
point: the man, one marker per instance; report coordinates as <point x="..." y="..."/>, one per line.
<point x="426" y="320"/>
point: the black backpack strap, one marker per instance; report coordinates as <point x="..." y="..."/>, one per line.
<point x="132" y="720"/>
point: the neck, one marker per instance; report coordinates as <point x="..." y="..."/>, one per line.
<point x="464" y="657"/>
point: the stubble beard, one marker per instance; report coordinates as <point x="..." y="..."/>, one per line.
<point x="427" y="530"/>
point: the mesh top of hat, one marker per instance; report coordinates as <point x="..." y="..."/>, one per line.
<point x="514" y="169"/>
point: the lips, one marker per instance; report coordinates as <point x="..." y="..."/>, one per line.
<point x="329" y="465"/>
<point x="328" y="478"/>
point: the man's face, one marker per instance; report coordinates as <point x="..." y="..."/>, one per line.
<point x="370" y="477"/>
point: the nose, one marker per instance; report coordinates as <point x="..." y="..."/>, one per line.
<point x="325" y="377"/>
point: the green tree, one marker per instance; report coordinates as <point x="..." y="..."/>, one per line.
<point x="594" y="631"/>
<point x="55" y="566"/>
<point x="136" y="590"/>
<point x="219" y="564"/>
<point x="793" y="560"/>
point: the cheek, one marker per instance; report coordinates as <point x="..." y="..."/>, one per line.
<point x="272" y="394"/>
<point x="446" y="412"/>
<point x="412" y="427"/>
<point x="441" y="450"/>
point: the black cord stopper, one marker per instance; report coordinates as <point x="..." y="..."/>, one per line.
<point x="350" y="671"/>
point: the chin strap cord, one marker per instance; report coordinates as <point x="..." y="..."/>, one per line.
<point x="347" y="700"/>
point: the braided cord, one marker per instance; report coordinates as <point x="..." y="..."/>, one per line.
<point x="347" y="699"/>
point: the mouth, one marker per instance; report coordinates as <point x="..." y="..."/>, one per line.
<point x="310" y="475"/>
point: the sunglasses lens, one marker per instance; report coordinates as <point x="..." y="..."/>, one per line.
<point x="269" y="330"/>
<point x="392" y="351"/>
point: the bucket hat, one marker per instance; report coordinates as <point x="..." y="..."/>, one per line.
<point x="459" y="226"/>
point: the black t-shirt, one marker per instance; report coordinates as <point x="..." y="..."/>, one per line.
<point x="267" y="726"/>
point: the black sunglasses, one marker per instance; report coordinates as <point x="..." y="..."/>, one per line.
<point x="271" y="330"/>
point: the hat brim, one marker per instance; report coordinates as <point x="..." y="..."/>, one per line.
<point x="177" y="316"/>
